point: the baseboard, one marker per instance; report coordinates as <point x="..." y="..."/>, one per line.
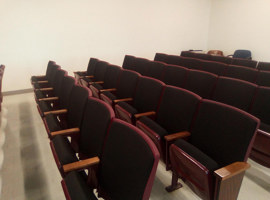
<point x="17" y="92"/>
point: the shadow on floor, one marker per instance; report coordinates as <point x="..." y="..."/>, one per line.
<point x="35" y="183"/>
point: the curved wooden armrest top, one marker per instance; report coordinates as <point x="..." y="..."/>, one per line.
<point x="56" y="112"/>
<point x="45" y="89"/>
<point x="108" y="90"/>
<point x="66" y="132"/>
<point x="97" y="82"/>
<point x="89" y="76"/>
<point x="125" y="99"/>
<point x="82" y="164"/>
<point x="175" y="136"/>
<point x="144" y="114"/>
<point x="43" y="82"/>
<point x="49" y="99"/>
<point x="40" y="76"/>
<point x="231" y="170"/>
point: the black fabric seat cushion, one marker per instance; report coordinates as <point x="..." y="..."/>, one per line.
<point x="154" y="126"/>
<point x="127" y="107"/>
<point x="36" y="85"/>
<point x="52" y="122"/>
<point x="197" y="154"/>
<point x="77" y="187"/>
<point x="64" y="151"/>
<point x="109" y="95"/>
<point x="44" y="106"/>
<point x="39" y="94"/>
<point x="265" y="127"/>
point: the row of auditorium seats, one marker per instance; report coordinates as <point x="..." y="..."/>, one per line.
<point x="96" y="139"/>
<point x="259" y="77"/>
<point x="241" y="94"/>
<point x="2" y="69"/>
<point x="177" y="113"/>
<point x="228" y="60"/>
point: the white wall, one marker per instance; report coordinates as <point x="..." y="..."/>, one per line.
<point x="241" y="24"/>
<point x="70" y="32"/>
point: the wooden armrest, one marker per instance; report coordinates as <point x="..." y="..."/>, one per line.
<point x="56" y="112"/>
<point x="79" y="72"/>
<point x="89" y="76"/>
<point x="45" y="89"/>
<point x="231" y="170"/>
<point x="69" y="131"/>
<point x="49" y="99"/>
<point x="40" y="76"/>
<point x="97" y="82"/>
<point x="82" y="164"/>
<point x="126" y="99"/>
<point x="144" y="114"/>
<point x="43" y="82"/>
<point x="175" y="136"/>
<point x="108" y="90"/>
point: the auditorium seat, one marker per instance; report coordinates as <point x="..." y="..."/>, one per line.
<point x="241" y="53"/>
<point x="54" y="89"/>
<point x="212" y="159"/>
<point x="234" y="92"/>
<point x="98" y="76"/>
<point x="62" y="98"/>
<point x="125" y="88"/>
<point x="241" y="72"/>
<point x="111" y="78"/>
<point x="145" y="101"/>
<point x="222" y="59"/>
<point x="174" y="75"/>
<point x="263" y="78"/>
<point x="68" y="118"/>
<point x="141" y="65"/>
<point x="213" y="67"/>
<point x="264" y="66"/>
<point x="127" y="167"/>
<point x="155" y="69"/>
<point x="261" y="109"/>
<point x="244" y="62"/>
<point x="89" y="138"/>
<point x="129" y="62"/>
<point x="89" y="73"/>
<point x="200" y="82"/>
<point x="45" y="77"/>
<point x="47" y="83"/>
<point x="174" y="114"/>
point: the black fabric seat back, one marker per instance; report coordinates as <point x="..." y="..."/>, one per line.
<point x="261" y="106"/>
<point x="244" y="62"/>
<point x="263" y="78"/>
<point x="127" y="84"/>
<point x="213" y="67"/>
<point x="155" y="70"/>
<point x="234" y="92"/>
<point x="242" y="73"/>
<point x="112" y="75"/>
<point x="147" y="95"/>
<point x="176" y="109"/>
<point x="264" y="66"/>
<point x="51" y="65"/>
<point x="223" y="132"/>
<point x="129" y="62"/>
<point x="174" y="75"/>
<point x="100" y="70"/>
<point x="161" y="57"/>
<point x="141" y="65"/>
<point x="58" y="81"/>
<point x="76" y="105"/>
<point x="222" y="59"/>
<point x="53" y="74"/>
<point x="191" y="63"/>
<point x="200" y="82"/>
<point x="96" y="120"/>
<point x="66" y="86"/>
<point x="128" y="163"/>
<point x="92" y="66"/>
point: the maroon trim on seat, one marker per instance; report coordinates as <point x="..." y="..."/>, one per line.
<point x="57" y="161"/>
<point x="106" y="99"/>
<point x="156" y="156"/>
<point x="64" y="186"/>
<point x="112" y="113"/>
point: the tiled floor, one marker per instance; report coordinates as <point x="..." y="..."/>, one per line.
<point x="29" y="172"/>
